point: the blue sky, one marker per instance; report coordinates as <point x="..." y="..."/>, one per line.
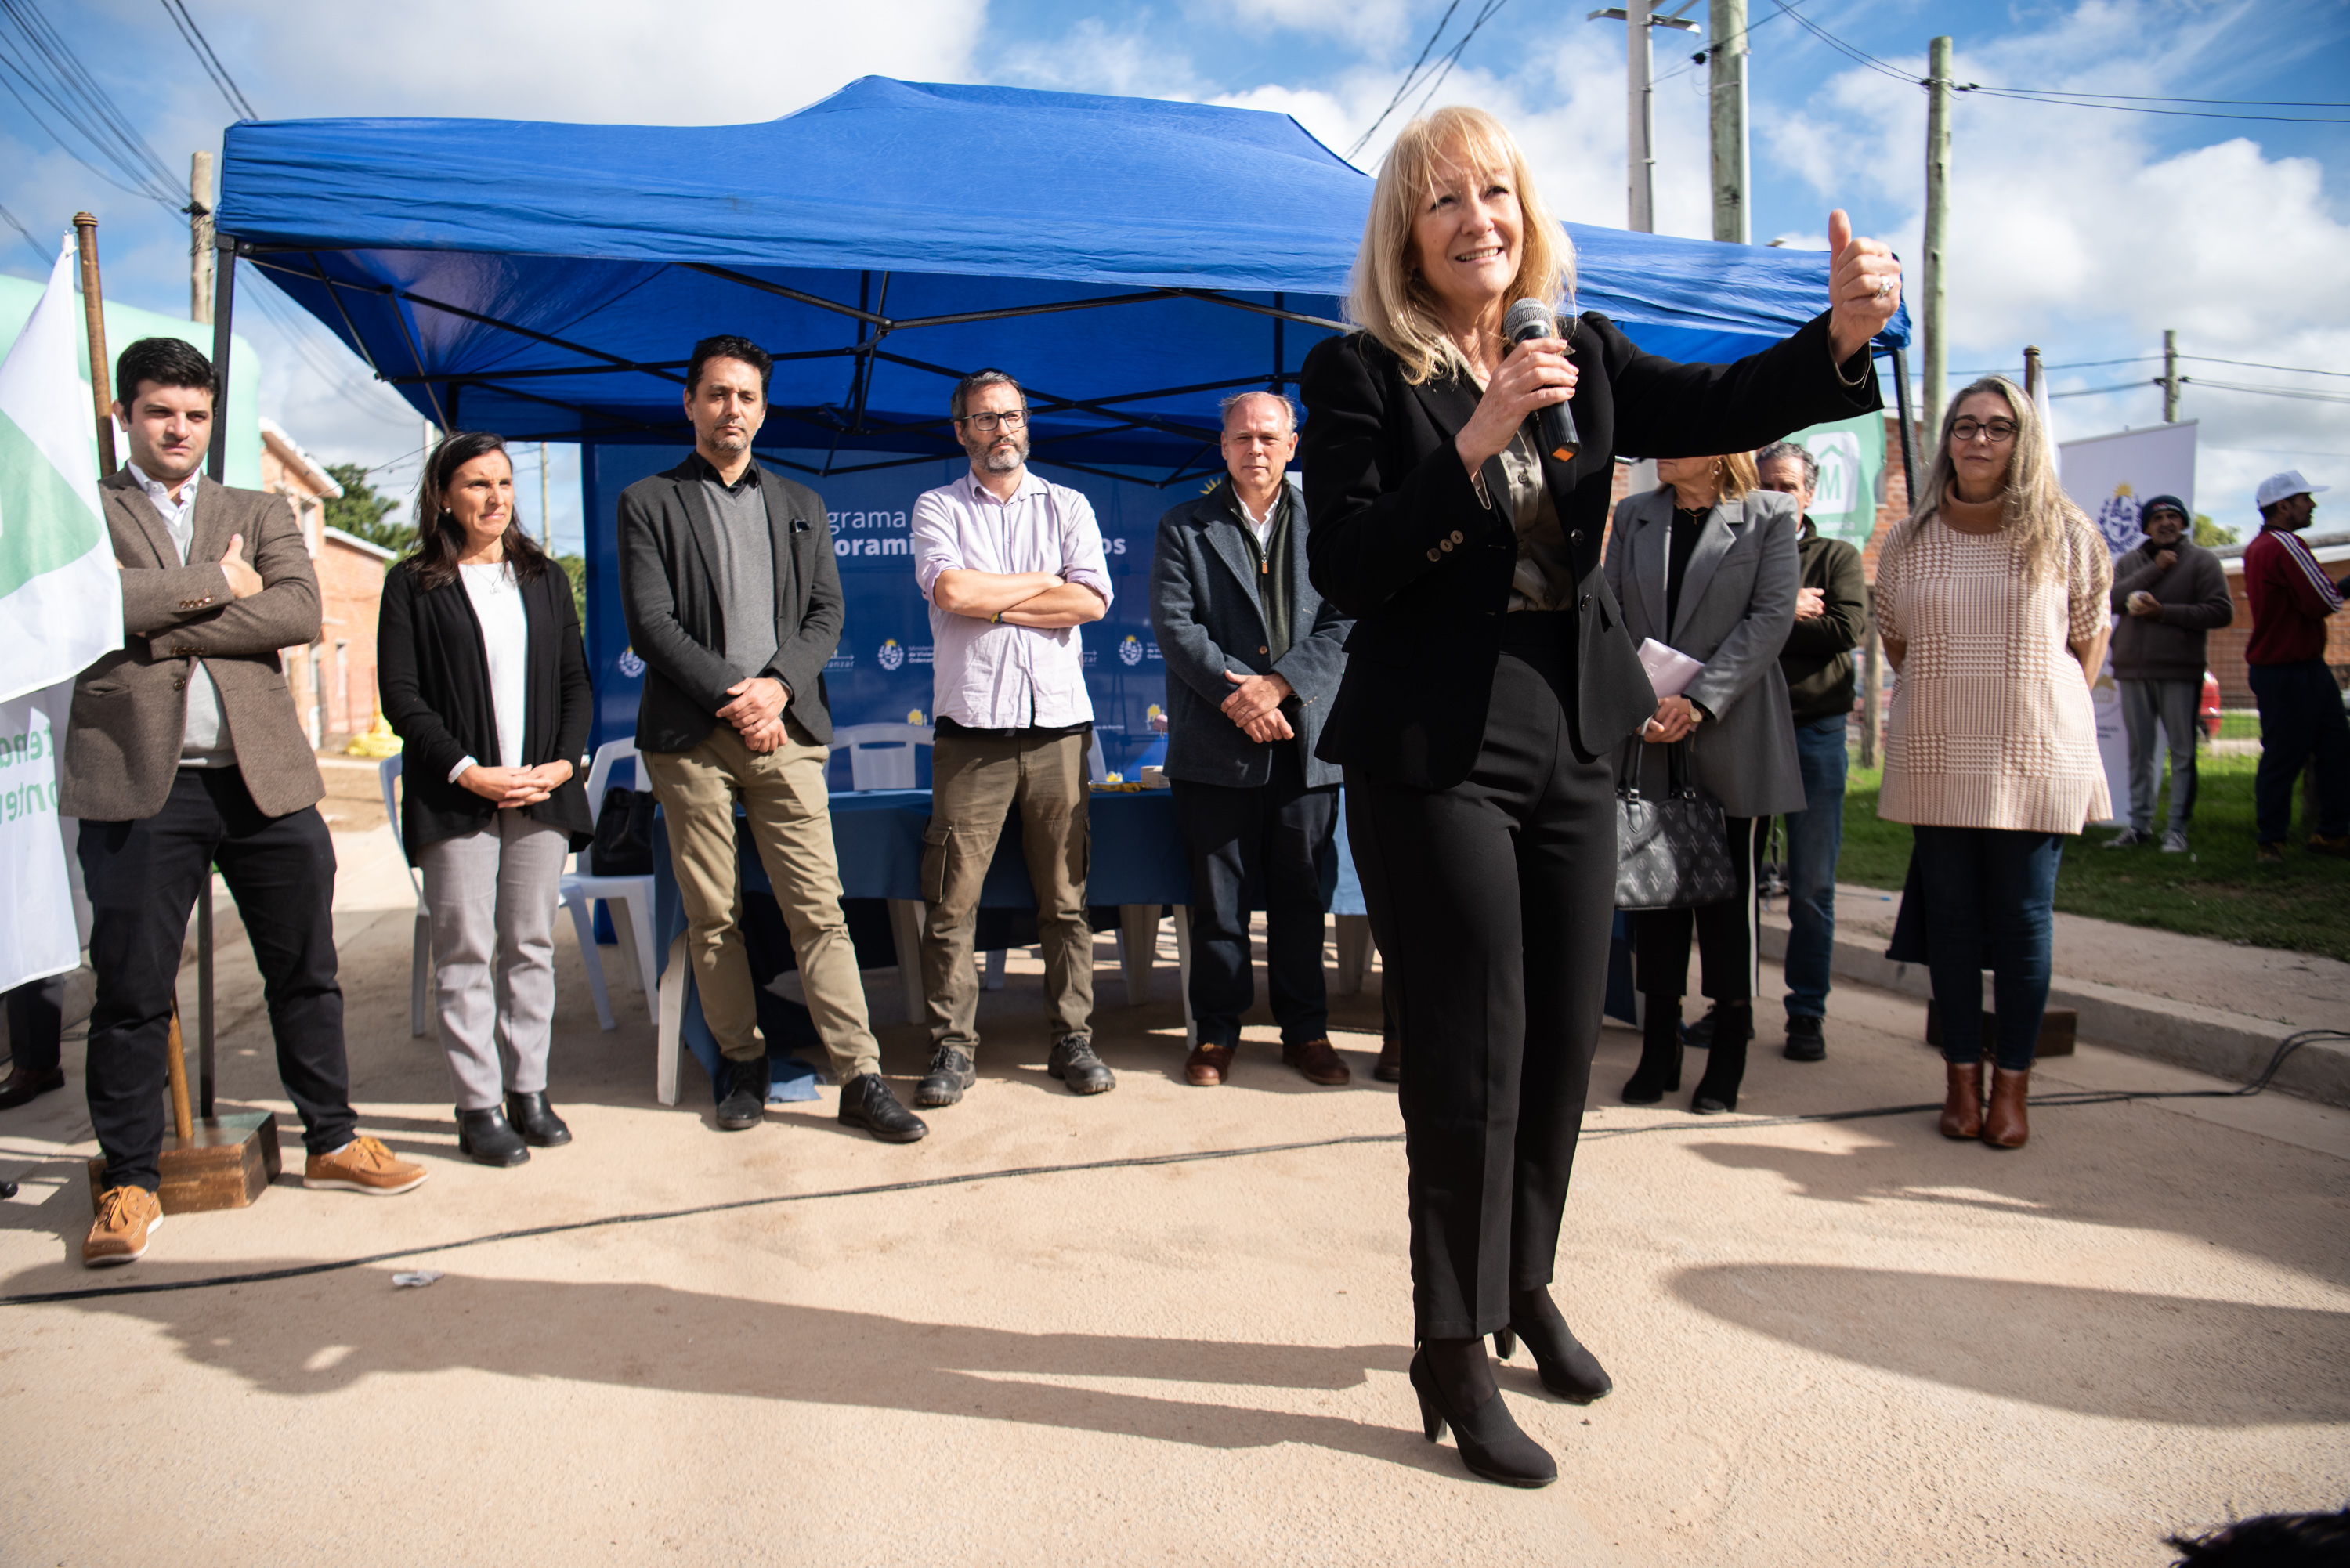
<point x="2085" y="231"/>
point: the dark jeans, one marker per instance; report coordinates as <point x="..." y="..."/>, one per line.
<point x="1725" y="933"/>
<point x="2301" y="718"/>
<point x="143" y="878"/>
<point x="36" y="1020"/>
<point x="1280" y="840"/>
<point x="1814" y="842"/>
<point x="1493" y="902"/>
<point x="1991" y="903"/>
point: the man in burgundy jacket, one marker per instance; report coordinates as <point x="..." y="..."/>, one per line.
<point x="2301" y="706"/>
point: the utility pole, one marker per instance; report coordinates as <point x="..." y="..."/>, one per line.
<point x="2169" y="377"/>
<point x="200" y="238"/>
<point x="2032" y="371"/>
<point x="1937" y="236"/>
<point x="1639" y="18"/>
<point x="1726" y="20"/>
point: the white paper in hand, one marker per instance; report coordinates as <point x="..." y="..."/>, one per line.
<point x="1670" y="670"/>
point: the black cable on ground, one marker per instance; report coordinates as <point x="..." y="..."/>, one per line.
<point x="1123" y="1162"/>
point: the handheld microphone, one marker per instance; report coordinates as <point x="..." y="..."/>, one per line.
<point x="1533" y="318"/>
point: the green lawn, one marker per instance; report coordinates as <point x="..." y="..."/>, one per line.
<point x="2303" y="904"/>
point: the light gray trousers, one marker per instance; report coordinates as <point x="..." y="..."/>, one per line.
<point x="491" y="894"/>
<point x="2173" y="704"/>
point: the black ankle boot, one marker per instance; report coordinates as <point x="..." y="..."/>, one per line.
<point x="1567" y="1369"/>
<point x="535" y="1119"/>
<point x="1659" y="1071"/>
<point x="1725" y="1068"/>
<point x="1491" y="1445"/>
<point x="488" y="1138"/>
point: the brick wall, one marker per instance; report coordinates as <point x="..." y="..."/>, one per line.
<point x="2224" y="651"/>
<point x="350" y="586"/>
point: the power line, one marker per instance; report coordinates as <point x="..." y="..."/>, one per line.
<point x="27" y="43"/>
<point x="186" y="22"/>
<point x="1409" y="77"/>
<point x="2300" y="393"/>
<point x="1703" y="55"/>
<point x="2256" y="365"/>
<point x="10" y="218"/>
<point x="1453" y="59"/>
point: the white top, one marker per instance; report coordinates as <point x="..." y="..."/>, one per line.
<point x="203" y="740"/>
<point x="505" y="637"/>
<point x="990" y="675"/>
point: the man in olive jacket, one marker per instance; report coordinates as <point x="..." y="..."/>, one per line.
<point x="1831" y="613"/>
<point x="2170" y="593"/>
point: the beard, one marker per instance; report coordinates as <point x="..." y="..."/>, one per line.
<point x="1000" y="455"/>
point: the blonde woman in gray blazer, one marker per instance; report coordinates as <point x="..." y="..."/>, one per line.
<point x="1705" y="564"/>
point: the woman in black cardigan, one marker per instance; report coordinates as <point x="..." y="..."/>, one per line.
<point x="1489" y="682"/>
<point x="478" y="659"/>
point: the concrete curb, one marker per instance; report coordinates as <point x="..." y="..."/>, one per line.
<point x="2231" y="1046"/>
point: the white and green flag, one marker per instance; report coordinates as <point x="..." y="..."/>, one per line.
<point x="61" y="601"/>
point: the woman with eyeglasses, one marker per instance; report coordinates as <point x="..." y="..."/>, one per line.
<point x="1992" y="602"/>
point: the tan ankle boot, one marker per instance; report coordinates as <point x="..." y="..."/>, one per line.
<point x="2004" y="1126"/>
<point x="1963" y="1105"/>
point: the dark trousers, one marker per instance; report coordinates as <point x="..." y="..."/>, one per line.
<point x="1493" y="902"/>
<point x="37" y="1025"/>
<point x="1991" y="901"/>
<point x="1279" y="838"/>
<point x="2301" y="719"/>
<point x="143" y="878"/>
<point x="1725" y="932"/>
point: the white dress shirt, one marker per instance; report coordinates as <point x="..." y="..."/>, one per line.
<point x="505" y="639"/>
<point x="995" y="675"/>
<point x="204" y="741"/>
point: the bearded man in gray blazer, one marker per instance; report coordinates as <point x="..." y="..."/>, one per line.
<point x="1253" y="656"/>
<point x="183" y="753"/>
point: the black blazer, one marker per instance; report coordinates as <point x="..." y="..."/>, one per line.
<point x="1401" y="543"/>
<point x="432" y="671"/>
<point x="669" y="598"/>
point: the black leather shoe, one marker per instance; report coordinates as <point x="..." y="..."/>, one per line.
<point x="1491" y="1445"/>
<point x="22" y="1088"/>
<point x="1073" y="1063"/>
<point x="1805" y="1042"/>
<point x="866" y="1102"/>
<point x="950" y="1074"/>
<point x="489" y="1138"/>
<point x="535" y="1119"/>
<point x="745" y="1104"/>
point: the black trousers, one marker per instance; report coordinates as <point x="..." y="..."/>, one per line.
<point x="1726" y="932"/>
<point x="37" y="1025"/>
<point x="143" y="878"/>
<point x="1279" y="839"/>
<point x="1493" y="902"/>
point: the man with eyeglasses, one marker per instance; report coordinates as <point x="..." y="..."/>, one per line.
<point x="1012" y="567"/>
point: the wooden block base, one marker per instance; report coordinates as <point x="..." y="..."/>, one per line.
<point x="226" y="1163"/>
<point x="2058" y="1028"/>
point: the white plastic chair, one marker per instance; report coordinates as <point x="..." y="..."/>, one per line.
<point x="630" y="900"/>
<point x="882" y="756"/>
<point x="420" y="980"/>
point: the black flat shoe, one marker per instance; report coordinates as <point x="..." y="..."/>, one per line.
<point x="745" y="1104"/>
<point x="535" y="1119"/>
<point x="1491" y="1445"/>
<point x="489" y="1139"/>
<point x="1566" y="1369"/>
<point x="866" y="1102"/>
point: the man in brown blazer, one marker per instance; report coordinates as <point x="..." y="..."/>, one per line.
<point x="183" y="753"/>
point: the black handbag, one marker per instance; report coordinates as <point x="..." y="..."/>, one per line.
<point x="1671" y="852"/>
<point x="624" y="834"/>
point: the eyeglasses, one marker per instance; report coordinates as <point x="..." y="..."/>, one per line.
<point x="987" y="424"/>
<point x="1999" y="432"/>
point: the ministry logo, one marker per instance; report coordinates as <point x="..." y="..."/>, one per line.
<point x="1129" y="652"/>
<point x="891" y="655"/>
<point x="631" y="665"/>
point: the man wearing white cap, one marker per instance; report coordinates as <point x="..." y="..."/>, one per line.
<point x="2300" y="707"/>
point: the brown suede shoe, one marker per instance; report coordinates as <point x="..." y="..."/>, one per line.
<point x="1962" y="1106"/>
<point x="1316" y="1061"/>
<point x="2005" y="1124"/>
<point x="362" y="1165"/>
<point x="1207" y="1066"/>
<point x="1390" y="1067"/>
<point x="127" y="1216"/>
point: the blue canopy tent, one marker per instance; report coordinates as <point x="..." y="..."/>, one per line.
<point x="1132" y="261"/>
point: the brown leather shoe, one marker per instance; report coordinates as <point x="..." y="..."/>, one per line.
<point x="1316" y="1061"/>
<point x="1390" y="1067"/>
<point x="362" y="1166"/>
<point x="2005" y="1124"/>
<point x="1962" y="1107"/>
<point x="20" y="1087"/>
<point x="127" y="1216"/>
<point x="1207" y="1065"/>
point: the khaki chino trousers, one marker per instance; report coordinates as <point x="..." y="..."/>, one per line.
<point x="783" y="792"/>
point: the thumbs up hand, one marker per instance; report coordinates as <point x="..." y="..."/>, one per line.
<point x="1864" y="288"/>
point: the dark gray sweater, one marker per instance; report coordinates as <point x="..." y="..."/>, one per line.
<point x="2194" y="596"/>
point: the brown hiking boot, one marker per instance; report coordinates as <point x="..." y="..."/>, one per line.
<point x="1316" y="1061"/>
<point x="127" y="1216"/>
<point x="362" y="1165"/>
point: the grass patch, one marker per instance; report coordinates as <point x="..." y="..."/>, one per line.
<point x="2302" y="905"/>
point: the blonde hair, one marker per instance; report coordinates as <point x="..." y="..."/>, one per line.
<point x="1389" y="298"/>
<point x="1739" y="474"/>
<point x="2035" y="510"/>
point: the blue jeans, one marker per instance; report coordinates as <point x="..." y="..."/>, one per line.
<point x="2301" y="719"/>
<point x="1991" y="903"/>
<point x="1815" y="840"/>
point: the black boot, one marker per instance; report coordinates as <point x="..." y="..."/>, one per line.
<point x="536" y="1120"/>
<point x="1660" y="1070"/>
<point x="866" y="1102"/>
<point x="1455" y="1385"/>
<point x="487" y="1137"/>
<point x="1567" y="1369"/>
<point x="1725" y="1068"/>
<point x="745" y="1101"/>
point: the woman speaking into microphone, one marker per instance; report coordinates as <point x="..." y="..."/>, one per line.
<point x="1488" y="685"/>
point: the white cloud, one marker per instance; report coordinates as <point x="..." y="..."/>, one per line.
<point x="1092" y="57"/>
<point x="1369" y="25"/>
